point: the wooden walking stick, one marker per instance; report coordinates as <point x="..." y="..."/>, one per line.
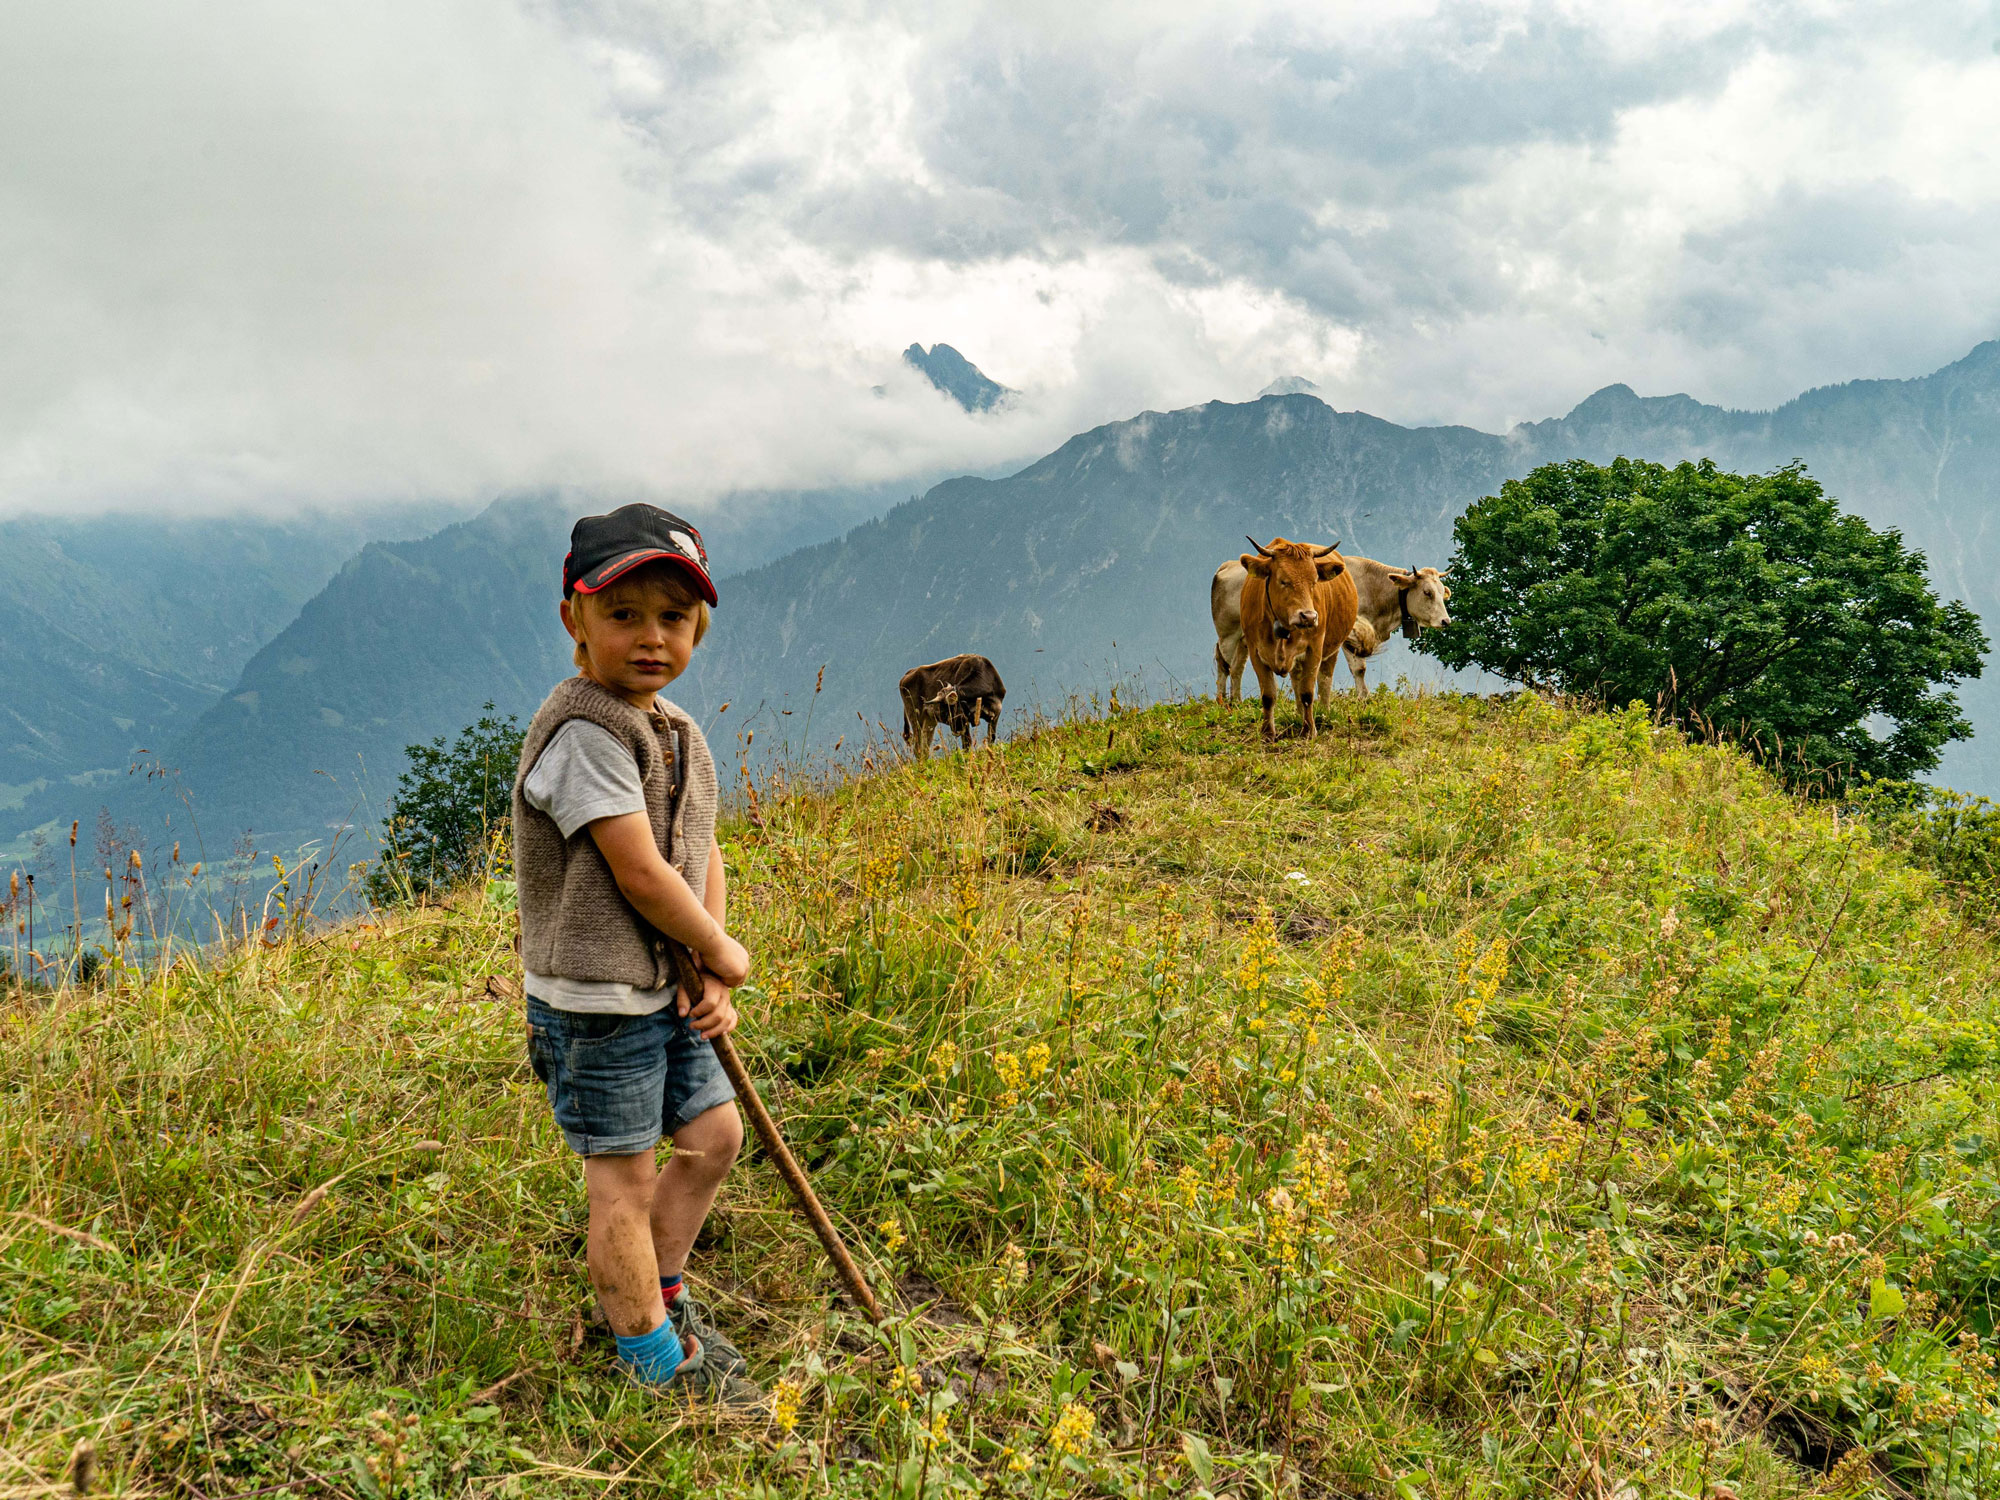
<point x="775" y="1147"/>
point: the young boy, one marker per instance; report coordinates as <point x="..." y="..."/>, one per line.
<point x="614" y="853"/>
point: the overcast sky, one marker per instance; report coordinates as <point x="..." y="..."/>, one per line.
<point x="265" y="253"/>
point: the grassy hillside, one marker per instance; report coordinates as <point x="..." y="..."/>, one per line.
<point x="1486" y="1100"/>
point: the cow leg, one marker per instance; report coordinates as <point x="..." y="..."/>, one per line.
<point x="926" y="728"/>
<point x="1237" y="661"/>
<point x="1358" y="665"/>
<point x="965" y="733"/>
<point x="993" y="723"/>
<point x="1267" y="686"/>
<point x="1221" y="675"/>
<point x="1302" y="689"/>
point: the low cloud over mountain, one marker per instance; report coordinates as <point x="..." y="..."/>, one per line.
<point x="447" y="248"/>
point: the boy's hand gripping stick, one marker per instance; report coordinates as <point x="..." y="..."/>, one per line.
<point x="689" y="977"/>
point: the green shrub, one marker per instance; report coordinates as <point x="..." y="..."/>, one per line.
<point x="1955" y="835"/>
<point x="452" y="814"/>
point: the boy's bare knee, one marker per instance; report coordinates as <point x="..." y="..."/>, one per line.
<point x="718" y="1135"/>
<point x="618" y="1181"/>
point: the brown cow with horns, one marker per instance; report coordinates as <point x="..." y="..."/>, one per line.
<point x="1298" y="605"/>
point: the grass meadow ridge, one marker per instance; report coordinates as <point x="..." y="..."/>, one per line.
<point x="1491" y="1098"/>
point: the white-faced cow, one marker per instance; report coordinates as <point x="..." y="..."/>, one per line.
<point x="958" y="692"/>
<point x="1388" y="598"/>
<point x="1297" y="604"/>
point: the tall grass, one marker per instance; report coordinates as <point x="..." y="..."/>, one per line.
<point x="1486" y="1099"/>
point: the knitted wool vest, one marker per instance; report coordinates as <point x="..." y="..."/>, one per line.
<point x="575" y="922"/>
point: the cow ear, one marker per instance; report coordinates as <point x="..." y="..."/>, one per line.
<point x="1329" y="567"/>
<point x="1404" y="580"/>
<point x="1252" y="563"/>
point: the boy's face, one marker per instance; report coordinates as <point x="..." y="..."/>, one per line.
<point x="636" y="635"/>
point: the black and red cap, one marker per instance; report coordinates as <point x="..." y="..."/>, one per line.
<point x="603" y="549"/>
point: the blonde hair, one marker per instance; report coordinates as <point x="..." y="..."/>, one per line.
<point x="663" y="575"/>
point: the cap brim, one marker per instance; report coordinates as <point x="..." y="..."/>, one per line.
<point x="611" y="571"/>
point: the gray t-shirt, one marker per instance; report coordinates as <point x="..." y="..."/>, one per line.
<point x="584" y="774"/>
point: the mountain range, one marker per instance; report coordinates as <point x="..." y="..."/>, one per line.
<point x="1088" y="566"/>
<point x="1093" y="563"/>
<point x="116" y="632"/>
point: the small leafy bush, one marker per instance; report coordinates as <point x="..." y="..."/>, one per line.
<point x="452" y="814"/>
<point x="1955" y="835"/>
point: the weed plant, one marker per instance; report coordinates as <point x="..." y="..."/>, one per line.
<point x="1487" y="1099"/>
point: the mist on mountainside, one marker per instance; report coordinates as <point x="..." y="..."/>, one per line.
<point x="1088" y="567"/>
<point x="117" y="631"/>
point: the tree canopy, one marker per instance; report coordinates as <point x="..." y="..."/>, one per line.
<point x="1751" y="603"/>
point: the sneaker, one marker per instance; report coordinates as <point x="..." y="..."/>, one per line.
<point x="705" y="1380"/>
<point x="691" y="1321"/>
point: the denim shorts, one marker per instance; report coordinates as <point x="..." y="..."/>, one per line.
<point x="619" y="1083"/>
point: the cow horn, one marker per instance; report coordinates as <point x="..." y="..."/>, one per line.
<point x="1258" y="545"/>
<point x="1329" y="547"/>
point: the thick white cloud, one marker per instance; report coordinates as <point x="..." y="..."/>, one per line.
<point x="255" y="254"/>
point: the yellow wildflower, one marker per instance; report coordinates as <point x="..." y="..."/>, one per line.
<point x="892" y="1235"/>
<point x="944" y="1057"/>
<point x="1012" y="1077"/>
<point x="1037" y="1059"/>
<point x="1260" y="953"/>
<point x="1321" y="1182"/>
<point x="1427" y="1129"/>
<point x="1072" y="1432"/>
<point x="1189" y="1184"/>
<point x="785" y="1405"/>
<point x="1281" y="1222"/>
<point x="1479" y="980"/>
<point x="965" y="893"/>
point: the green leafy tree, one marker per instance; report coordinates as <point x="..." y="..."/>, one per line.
<point x="1749" y="603"/>
<point x="452" y="811"/>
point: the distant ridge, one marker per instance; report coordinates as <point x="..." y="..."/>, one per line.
<point x="1089" y="565"/>
<point x="957" y="376"/>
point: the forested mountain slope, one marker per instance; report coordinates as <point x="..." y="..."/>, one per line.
<point x="117" y="630"/>
<point x="1087" y="567"/>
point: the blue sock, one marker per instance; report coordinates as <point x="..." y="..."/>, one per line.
<point x="653" y="1357"/>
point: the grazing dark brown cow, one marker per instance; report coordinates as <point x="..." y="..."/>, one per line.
<point x="1298" y="605"/>
<point x="958" y="693"/>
